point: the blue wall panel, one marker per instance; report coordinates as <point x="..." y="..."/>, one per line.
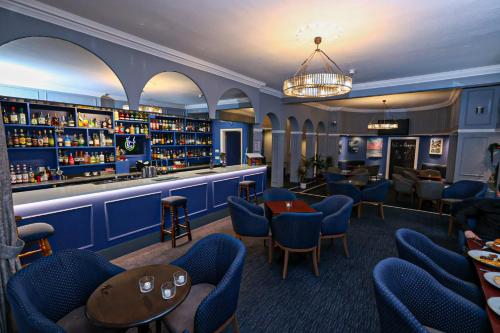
<point x="197" y="197"/>
<point x="224" y="188"/>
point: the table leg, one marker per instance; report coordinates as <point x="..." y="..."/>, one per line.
<point x="143" y="328"/>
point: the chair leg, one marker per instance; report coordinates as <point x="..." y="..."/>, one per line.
<point x="319" y="250"/>
<point x="255" y="195"/>
<point x="187" y="224"/>
<point x="420" y="201"/>
<point x="45" y="247"/>
<point x="450" y="225"/>
<point x="236" y="327"/>
<point x="315" y="262"/>
<point x="285" y="264"/>
<point x="248" y="193"/>
<point x="162" y="226"/>
<point x="359" y="210"/>
<point x="173" y="224"/>
<point x="381" y="210"/>
<point x="346" y="249"/>
<point x="270" y="254"/>
<point x="440" y="207"/>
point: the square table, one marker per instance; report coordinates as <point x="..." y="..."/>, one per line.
<point x="488" y="289"/>
<point x="298" y="206"/>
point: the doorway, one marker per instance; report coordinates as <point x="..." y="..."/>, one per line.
<point x="232" y="146"/>
<point x="402" y="152"/>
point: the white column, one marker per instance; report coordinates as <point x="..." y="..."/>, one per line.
<point x="295" y="159"/>
<point x="310" y="150"/>
<point x="278" y="158"/>
<point x="333" y="148"/>
<point x="257" y="141"/>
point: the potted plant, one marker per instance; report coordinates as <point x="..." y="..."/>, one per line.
<point x="302" y="177"/>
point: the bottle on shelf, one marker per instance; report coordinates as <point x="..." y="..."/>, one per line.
<point x="22" y="116"/>
<point x="22" y="138"/>
<point x="41" y="119"/>
<point x="10" y="142"/>
<point x="52" y="142"/>
<point x="15" y="139"/>
<point x="14" y="119"/>
<point x="45" y="139"/>
<point x="34" y="119"/>
<point x="6" y="118"/>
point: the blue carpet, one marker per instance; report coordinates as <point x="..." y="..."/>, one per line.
<point x="342" y="298"/>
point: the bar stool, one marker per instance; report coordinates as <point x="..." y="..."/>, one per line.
<point x="173" y="203"/>
<point x="245" y="186"/>
<point x="35" y="232"/>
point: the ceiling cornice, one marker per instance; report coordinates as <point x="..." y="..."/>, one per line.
<point x="455" y="94"/>
<point x="74" y="22"/>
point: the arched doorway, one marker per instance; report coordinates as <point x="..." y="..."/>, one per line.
<point x="233" y="126"/>
<point x="292" y="152"/>
<point x="308" y="147"/>
<point x="52" y="69"/>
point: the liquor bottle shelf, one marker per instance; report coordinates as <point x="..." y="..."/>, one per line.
<point x="87" y="165"/>
<point x="86" y="147"/>
<point x="131" y="121"/>
<point x="30" y="148"/>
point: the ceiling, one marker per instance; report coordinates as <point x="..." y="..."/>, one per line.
<point x="395" y="102"/>
<point x="268" y="39"/>
<point x="57" y="65"/>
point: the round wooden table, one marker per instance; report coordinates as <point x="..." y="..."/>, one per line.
<point x="118" y="302"/>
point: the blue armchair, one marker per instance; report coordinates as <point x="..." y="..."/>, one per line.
<point x="376" y="193"/>
<point x="215" y="264"/>
<point x="278" y="194"/>
<point x="463" y="189"/>
<point x="297" y="232"/>
<point x="348" y="190"/>
<point x="49" y="295"/>
<point x="410" y="300"/>
<point x="333" y="177"/>
<point x="449" y="268"/>
<point x="249" y="221"/>
<point x="336" y="211"/>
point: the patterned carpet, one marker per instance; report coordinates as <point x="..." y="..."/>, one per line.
<point x="340" y="300"/>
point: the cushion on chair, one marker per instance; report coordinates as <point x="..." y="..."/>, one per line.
<point x="247" y="183"/>
<point x="35" y="231"/>
<point x="76" y="322"/>
<point x="174" y="200"/>
<point x="182" y="318"/>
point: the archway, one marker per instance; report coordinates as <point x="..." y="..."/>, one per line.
<point x="292" y="151"/>
<point x="273" y="148"/>
<point x="52" y="69"/>
<point x="308" y="147"/>
<point x="174" y="93"/>
<point x="233" y="126"/>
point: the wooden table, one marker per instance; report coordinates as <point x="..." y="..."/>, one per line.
<point x="298" y="206"/>
<point x="488" y="289"/>
<point x="118" y="302"/>
<point x="427" y="176"/>
<point x="354" y="182"/>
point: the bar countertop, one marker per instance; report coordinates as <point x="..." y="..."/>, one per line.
<point x="27" y="197"/>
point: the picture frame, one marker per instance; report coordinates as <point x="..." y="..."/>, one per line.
<point x="374" y="147"/>
<point x="436" y="146"/>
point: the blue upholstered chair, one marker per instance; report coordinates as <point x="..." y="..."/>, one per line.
<point x="215" y="264"/>
<point x="375" y="193"/>
<point x="49" y="295"/>
<point x="278" y="194"/>
<point x="410" y="300"/>
<point x="249" y="221"/>
<point x="461" y="190"/>
<point x="348" y="190"/>
<point x="336" y="211"/>
<point x="451" y="269"/>
<point x="297" y="232"/>
<point x="333" y="177"/>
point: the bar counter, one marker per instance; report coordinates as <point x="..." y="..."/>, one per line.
<point x="100" y="215"/>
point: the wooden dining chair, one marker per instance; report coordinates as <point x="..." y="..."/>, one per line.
<point x="35" y="233"/>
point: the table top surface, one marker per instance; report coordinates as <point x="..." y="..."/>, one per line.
<point x="488" y="289"/>
<point x="298" y="206"/>
<point x="118" y="302"/>
<point x="352" y="182"/>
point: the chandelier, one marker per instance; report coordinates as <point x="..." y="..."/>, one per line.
<point x="385" y="124"/>
<point x="329" y="83"/>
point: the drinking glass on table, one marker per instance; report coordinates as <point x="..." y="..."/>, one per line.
<point x="146" y="283"/>
<point x="168" y="290"/>
<point x="180" y="278"/>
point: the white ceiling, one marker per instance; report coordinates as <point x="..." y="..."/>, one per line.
<point x="268" y="39"/>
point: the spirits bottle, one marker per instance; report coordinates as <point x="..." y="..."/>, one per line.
<point x="28" y="139"/>
<point x="45" y="139"/>
<point x="34" y="119"/>
<point x="41" y="119"/>
<point x="51" y="139"/>
<point x="6" y="118"/>
<point x="31" y="175"/>
<point x="67" y="141"/>
<point x="40" y="139"/>
<point x="71" y="160"/>
<point x="60" y="140"/>
<point x="101" y="157"/>
<point x="14" y="119"/>
<point x="22" y="116"/>
<point x="22" y="138"/>
<point x="25" y="176"/>
<point x="81" y="140"/>
<point x="71" y="121"/>
<point x="10" y="143"/>
<point x="13" y="178"/>
<point x="15" y="139"/>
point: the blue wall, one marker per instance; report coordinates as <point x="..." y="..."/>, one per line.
<point x="217" y="125"/>
<point x="423" y="153"/>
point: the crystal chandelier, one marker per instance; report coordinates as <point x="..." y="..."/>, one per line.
<point x="329" y="83"/>
<point x="385" y="124"/>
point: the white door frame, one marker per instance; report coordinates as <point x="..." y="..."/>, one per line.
<point x="223" y="140"/>
<point x="395" y="138"/>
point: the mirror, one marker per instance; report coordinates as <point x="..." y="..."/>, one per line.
<point x="174" y="93"/>
<point x="234" y="105"/>
<point x="52" y="69"/>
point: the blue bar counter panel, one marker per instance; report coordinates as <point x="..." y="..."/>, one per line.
<point x="97" y="216"/>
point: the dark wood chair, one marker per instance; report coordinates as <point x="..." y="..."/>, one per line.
<point x="245" y="186"/>
<point x="173" y="203"/>
<point x="35" y="233"/>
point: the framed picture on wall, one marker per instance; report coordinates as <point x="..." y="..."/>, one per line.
<point x="374" y="147"/>
<point x="436" y="146"/>
<point x="353" y="144"/>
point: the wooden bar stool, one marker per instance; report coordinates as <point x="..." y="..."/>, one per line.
<point x="245" y="187"/>
<point x="173" y="203"/>
<point x="35" y="232"/>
